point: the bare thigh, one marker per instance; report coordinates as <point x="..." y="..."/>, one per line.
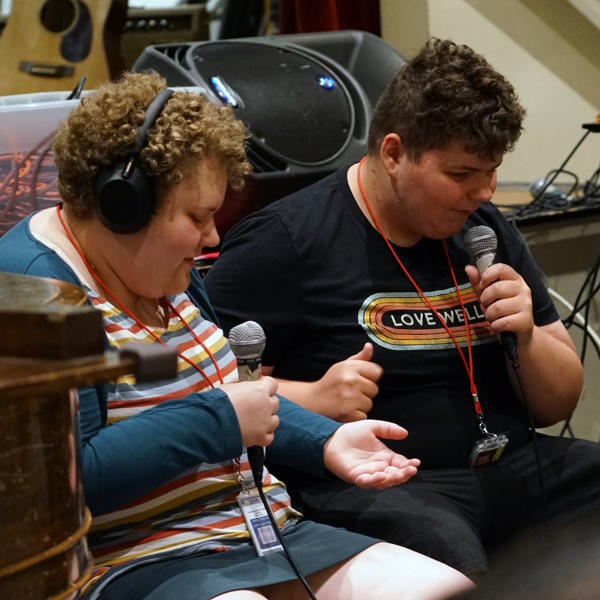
<point x="240" y="595"/>
<point x="379" y="572"/>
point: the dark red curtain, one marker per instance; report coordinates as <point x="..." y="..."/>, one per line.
<point x="301" y="16"/>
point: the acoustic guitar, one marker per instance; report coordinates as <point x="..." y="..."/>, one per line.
<point x="48" y="45"/>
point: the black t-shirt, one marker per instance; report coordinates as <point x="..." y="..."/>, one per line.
<point x="321" y="281"/>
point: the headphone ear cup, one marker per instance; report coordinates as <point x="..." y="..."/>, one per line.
<point x="124" y="205"/>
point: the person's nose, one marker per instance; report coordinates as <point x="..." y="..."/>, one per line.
<point x="484" y="189"/>
<point x="211" y="237"/>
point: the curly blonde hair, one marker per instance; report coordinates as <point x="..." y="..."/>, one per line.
<point x="103" y="128"/>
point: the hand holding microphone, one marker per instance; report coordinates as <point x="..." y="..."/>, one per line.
<point x="255" y="406"/>
<point x="503" y="293"/>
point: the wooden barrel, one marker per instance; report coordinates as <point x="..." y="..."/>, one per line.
<point x="51" y="342"/>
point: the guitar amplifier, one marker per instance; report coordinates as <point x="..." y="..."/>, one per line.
<point x="144" y="27"/>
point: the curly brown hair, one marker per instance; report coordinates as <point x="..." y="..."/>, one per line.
<point x="103" y="127"/>
<point x="448" y="92"/>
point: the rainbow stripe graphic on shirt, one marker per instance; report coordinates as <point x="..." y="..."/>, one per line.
<point x="402" y="320"/>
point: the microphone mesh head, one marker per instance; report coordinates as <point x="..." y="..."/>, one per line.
<point x="480" y="240"/>
<point x="247" y="340"/>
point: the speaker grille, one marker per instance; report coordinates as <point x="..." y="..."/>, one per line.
<point x="262" y="160"/>
<point x="282" y="101"/>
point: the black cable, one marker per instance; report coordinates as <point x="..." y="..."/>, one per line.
<point x="517" y="371"/>
<point x="76" y="92"/>
<point x="14" y="173"/>
<point x="555" y="200"/>
<point x="566" y="427"/>
<point x="594" y="342"/>
<point x="547" y="183"/>
<point x="577" y="306"/>
<point x="567" y="424"/>
<point x="590" y="280"/>
<point x="256" y="464"/>
<point x="586" y="318"/>
<point x="593" y="183"/>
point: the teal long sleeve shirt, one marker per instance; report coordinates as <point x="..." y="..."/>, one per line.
<point x="130" y="458"/>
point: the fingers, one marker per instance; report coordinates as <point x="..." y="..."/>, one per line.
<point x="365" y="387"/>
<point x="387" y="431"/>
<point x="506" y="300"/>
<point x="504" y="289"/>
<point x="401" y="462"/>
<point x="255" y="405"/>
<point x="498" y="272"/>
<point x="268" y="384"/>
<point x="386" y="478"/>
<point x="267" y="426"/>
<point x="370" y="370"/>
<point x="507" y="306"/>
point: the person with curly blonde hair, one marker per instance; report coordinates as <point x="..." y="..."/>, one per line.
<point x="104" y="128"/>
<point x="165" y="468"/>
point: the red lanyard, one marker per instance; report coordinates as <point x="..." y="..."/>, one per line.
<point x="117" y="303"/>
<point x="469" y="365"/>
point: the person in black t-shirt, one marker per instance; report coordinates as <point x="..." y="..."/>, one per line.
<point x="371" y="309"/>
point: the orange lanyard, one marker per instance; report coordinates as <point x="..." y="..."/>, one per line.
<point x="117" y="303"/>
<point x="468" y="366"/>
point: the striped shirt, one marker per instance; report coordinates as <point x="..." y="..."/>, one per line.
<point x="197" y="510"/>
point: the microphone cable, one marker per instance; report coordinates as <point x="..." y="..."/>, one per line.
<point x="247" y="341"/>
<point x="256" y="458"/>
<point x="514" y="360"/>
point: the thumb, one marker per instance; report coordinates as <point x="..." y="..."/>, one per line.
<point x="386" y="430"/>
<point x="473" y="275"/>
<point x="365" y="354"/>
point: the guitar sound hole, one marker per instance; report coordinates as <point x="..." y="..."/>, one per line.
<point x="57" y="15"/>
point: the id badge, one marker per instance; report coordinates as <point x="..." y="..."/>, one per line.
<point x="488" y="450"/>
<point x="259" y="525"/>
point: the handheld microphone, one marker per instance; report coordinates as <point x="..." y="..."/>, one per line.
<point x="247" y="341"/>
<point x="481" y="243"/>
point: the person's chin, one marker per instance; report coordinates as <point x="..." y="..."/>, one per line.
<point x="456" y="225"/>
<point x="180" y="283"/>
<point x="446" y="233"/>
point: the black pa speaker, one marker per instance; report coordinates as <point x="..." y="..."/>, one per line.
<point x="307" y="100"/>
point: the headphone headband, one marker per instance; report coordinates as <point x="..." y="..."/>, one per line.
<point x="152" y="113"/>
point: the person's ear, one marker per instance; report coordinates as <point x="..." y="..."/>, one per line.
<point x="391" y="151"/>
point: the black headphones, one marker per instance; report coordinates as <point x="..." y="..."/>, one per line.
<point x="125" y="195"/>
